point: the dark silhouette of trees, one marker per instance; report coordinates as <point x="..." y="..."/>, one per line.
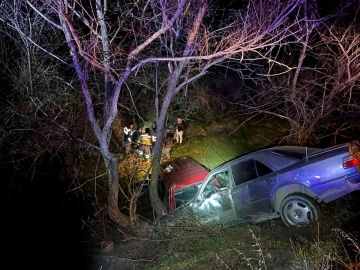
<point x="323" y="80"/>
<point x="39" y="108"/>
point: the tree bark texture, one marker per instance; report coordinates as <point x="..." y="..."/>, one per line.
<point x="157" y="204"/>
<point x="113" y="197"/>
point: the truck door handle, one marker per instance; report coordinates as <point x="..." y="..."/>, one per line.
<point x="267" y="181"/>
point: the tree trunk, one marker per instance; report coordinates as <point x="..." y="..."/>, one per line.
<point x="113" y="196"/>
<point x="156" y="203"/>
<point x="172" y="89"/>
<point x="302" y="54"/>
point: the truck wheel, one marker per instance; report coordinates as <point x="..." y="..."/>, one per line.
<point x="299" y="210"/>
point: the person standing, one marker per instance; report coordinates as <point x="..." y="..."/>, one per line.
<point x="153" y="136"/>
<point x="145" y="141"/>
<point x="136" y="138"/>
<point x="180" y="128"/>
<point x="128" y="134"/>
<point x="170" y="129"/>
<point x="167" y="145"/>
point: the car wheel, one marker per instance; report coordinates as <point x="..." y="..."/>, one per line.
<point x="299" y="210"/>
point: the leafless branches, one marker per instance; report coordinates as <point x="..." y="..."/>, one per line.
<point x="118" y="41"/>
<point x="343" y="45"/>
<point x="322" y="86"/>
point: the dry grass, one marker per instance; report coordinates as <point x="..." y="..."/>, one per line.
<point x="181" y="242"/>
<point x="340" y="252"/>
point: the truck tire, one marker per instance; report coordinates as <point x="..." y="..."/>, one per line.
<point x="299" y="210"/>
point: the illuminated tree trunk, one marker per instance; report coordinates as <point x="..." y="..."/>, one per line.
<point x="157" y="204"/>
<point x="173" y="88"/>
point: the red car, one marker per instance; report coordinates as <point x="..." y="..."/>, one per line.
<point x="180" y="180"/>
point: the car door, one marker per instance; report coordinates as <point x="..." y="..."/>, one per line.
<point x="253" y="181"/>
<point x="213" y="202"/>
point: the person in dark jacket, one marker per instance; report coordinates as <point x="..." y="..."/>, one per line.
<point x="170" y="129"/>
<point x="136" y="138"/>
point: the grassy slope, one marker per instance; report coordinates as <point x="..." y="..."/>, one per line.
<point x="265" y="246"/>
<point x="262" y="246"/>
<point x="210" y="146"/>
<point x="219" y="143"/>
<point x="217" y="248"/>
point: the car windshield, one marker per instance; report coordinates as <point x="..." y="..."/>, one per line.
<point x="185" y="195"/>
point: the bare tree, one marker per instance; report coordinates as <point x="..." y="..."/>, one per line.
<point x="120" y="39"/>
<point x="112" y="52"/>
<point x="39" y="108"/>
<point x="250" y="34"/>
<point x="307" y="96"/>
<point x="343" y="47"/>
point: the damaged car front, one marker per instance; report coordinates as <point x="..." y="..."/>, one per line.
<point x="180" y="181"/>
<point x="239" y="190"/>
<point x="213" y="202"/>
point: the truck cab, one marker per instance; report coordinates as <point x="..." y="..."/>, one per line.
<point x="180" y="179"/>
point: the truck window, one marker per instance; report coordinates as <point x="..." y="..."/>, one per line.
<point x="185" y="195"/>
<point x="244" y="171"/>
<point x="262" y="169"/>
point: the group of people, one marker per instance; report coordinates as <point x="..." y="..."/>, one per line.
<point x="138" y="139"/>
<point x="145" y="141"/>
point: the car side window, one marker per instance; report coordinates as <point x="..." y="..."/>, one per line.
<point x="221" y="180"/>
<point x="262" y="169"/>
<point x="217" y="183"/>
<point x="244" y="171"/>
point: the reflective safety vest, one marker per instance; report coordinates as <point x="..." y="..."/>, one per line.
<point x="145" y="139"/>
